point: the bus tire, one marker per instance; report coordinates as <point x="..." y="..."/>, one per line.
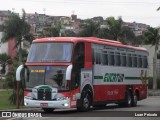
<point x="134" y="100"/>
<point x="48" y="110"/>
<point x="86" y="102"/>
<point x="128" y="99"/>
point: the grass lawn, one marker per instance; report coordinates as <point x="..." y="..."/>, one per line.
<point x="4" y="102"/>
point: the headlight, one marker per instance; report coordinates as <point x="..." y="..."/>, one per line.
<point x="34" y="90"/>
<point x="62" y="98"/>
<point x="28" y="97"/>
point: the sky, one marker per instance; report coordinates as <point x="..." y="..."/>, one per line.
<point x="140" y="11"/>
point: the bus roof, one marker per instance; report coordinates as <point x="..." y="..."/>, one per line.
<point x="89" y="39"/>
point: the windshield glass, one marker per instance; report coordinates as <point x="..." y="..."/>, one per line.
<point x="50" y="52"/>
<point x="47" y="75"/>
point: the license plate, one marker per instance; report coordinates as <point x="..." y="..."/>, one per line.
<point x="43" y="104"/>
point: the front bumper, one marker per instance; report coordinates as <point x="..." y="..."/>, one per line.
<point x="47" y="104"/>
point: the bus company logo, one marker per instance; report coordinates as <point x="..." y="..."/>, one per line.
<point x="6" y="114"/>
<point x="113" y="77"/>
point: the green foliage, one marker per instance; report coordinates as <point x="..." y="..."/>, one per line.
<point x="115" y="31"/>
<point x="10" y="82"/>
<point x="152" y="36"/>
<point x="4" y="57"/>
<point x="4" y="100"/>
<point x="115" y="27"/>
<point x="17" y="28"/>
<point x="50" y="32"/>
<point x="89" y="29"/>
<point x="24" y="53"/>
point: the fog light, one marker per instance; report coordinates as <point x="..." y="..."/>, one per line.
<point x="25" y="103"/>
<point x="66" y="104"/>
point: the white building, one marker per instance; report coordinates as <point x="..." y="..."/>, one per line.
<point x="137" y="28"/>
<point x="151" y="50"/>
<point x="3" y="46"/>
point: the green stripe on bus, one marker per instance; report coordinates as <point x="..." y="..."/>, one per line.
<point x="126" y="78"/>
<point x="132" y="78"/>
<point x="98" y="77"/>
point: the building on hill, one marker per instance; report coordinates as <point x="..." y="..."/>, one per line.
<point x="137" y="28"/>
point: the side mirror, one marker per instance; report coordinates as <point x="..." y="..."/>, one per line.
<point x="68" y="72"/>
<point x="18" y="73"/>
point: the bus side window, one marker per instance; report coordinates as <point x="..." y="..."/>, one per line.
<point x="117" y="59"/>
<point x="104" y="58"/>
<point x="98" y="58"/>
<point x="134" y="61"/>
<point x="93" y="56"/>
<point x="139" y="61"/>
<point x="111" y="58"/>
<point x="129" y="60"/>
<point x="123" y="59"/>
<point x="145" y="62"/>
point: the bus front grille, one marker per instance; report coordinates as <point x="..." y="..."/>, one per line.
<point x="44" y="95"/>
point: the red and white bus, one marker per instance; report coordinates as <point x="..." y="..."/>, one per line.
<point x="72" y="72"/>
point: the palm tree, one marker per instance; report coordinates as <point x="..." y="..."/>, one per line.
<point x="153" y="37"/>
<point x="115" y="27"/>
<point x="120" y="32"/>
<point x="18" y="29"/>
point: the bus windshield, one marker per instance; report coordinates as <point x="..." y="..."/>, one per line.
<point x="53" y="76"/>
<point x="50" y="52"/>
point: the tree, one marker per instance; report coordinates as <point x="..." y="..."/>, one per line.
<point x="104" y="33"/>
<point x="120" y="32"/>
<point x="50" y="32"/>
<point x="153" y="37"/>
<point x="115" y="27"/>
<point x="10" y="82"/>
<point x="3" y="59"/>
<point x="89" y="29"/>
<point x="18" y="29"/>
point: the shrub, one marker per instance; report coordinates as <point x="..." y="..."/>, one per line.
<point x="10" y="82"/>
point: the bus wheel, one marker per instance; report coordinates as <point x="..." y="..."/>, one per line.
<point x="86" y="102"/>
<point x="48" y="110"/>
<point x="128" y="102"/>
<point x="134" y="100"/>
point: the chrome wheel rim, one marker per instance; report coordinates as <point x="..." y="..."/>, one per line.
<point x="129" y="100"/>
<point x="86" y="102"/>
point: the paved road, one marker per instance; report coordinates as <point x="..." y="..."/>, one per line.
<point x="149" y="105"/>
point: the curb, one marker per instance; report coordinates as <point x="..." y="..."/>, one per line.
<point x="22" y="109"/>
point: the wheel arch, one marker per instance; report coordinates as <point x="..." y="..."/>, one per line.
<point x="89" y="89"/>
<point x="137" y="93"/>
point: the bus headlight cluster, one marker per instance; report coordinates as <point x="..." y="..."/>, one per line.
<point x="62" y="98"/>
<point x="28" y="97"/>
<point x="34" y="90"/>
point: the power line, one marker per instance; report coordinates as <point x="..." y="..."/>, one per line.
<point x="96" y="2"/>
